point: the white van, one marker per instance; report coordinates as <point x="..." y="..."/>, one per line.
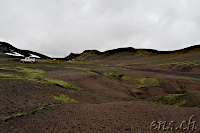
<point x="28" y="59"/>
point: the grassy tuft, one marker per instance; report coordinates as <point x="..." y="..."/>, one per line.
<point x="171" y="99"/>
<point x="133" y="81"/>
<point x="6" y="75"/>
<point x="197" y="106"/>
<point x="63" y="84"/>
<point x="141" y="82"/>
<point x="112" y="74"/>
<point x="179" y="63"/>
<point x="30" y="73"/>
<point x="36" y="75"/>
<point x="65" y="98"/>
<point x="13" y="116"/>
<point x="81" y="68"/>
<point x="32" y="111"/>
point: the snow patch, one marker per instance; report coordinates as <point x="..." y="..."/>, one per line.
<point x="35" y="56"/>
<point x="14" y="54"/>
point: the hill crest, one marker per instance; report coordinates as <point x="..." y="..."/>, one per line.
<point x="91" y="54"/>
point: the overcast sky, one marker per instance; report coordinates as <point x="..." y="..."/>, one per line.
<point x="58" y="27"/>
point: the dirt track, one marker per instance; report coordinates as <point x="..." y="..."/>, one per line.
<point x="194" y="75"/>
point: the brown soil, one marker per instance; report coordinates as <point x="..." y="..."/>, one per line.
<point x="108" y="117"/>
<point x="108" y="103"/>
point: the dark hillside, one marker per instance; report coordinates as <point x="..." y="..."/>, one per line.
<point x="96" y="55"/>
<point x="8" y="48"/>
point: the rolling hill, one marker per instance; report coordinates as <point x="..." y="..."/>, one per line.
<point x="95" y="54"/>
<point x="184" y="60"/>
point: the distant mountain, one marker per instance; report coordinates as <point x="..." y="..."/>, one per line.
<point x="94" y="54"/>
<point x="9" y="51"/>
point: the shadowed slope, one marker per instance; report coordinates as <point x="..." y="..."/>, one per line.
<point x="7" y="48"/>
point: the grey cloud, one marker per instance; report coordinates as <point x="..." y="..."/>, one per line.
<point x="59" y="27"/>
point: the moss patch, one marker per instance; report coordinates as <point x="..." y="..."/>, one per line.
<point x="133" y="81"/>
<point x="31" y="111"/>
<point x="81" y="68"/>
<point x="6" y="75"/>
<point x="65" y="98"/>
<point x="197" y="106"/>
<point x="63" y="84"/>
<point x="141" y="82"/>
<point x="112" y="74"/>
<point x="36" y="75"/>
<point x="29" y="73"/>
<point x="189" y="62"/>
<point x="171" y="99"/>
<point x="13" y="116"/>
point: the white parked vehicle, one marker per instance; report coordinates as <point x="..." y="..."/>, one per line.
<point x="28" y="59"/>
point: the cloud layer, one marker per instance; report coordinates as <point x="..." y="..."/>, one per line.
<point x="58" y="27"/>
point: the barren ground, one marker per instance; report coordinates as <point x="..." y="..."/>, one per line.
<point x="92" y="97"/>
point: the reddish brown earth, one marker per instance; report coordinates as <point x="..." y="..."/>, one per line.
<point x="108" y="103"/>
<point x="132" y="116"/>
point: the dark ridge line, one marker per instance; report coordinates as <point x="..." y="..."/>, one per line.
<point x="9" y="47"/>
<point x="131" y="50"/>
